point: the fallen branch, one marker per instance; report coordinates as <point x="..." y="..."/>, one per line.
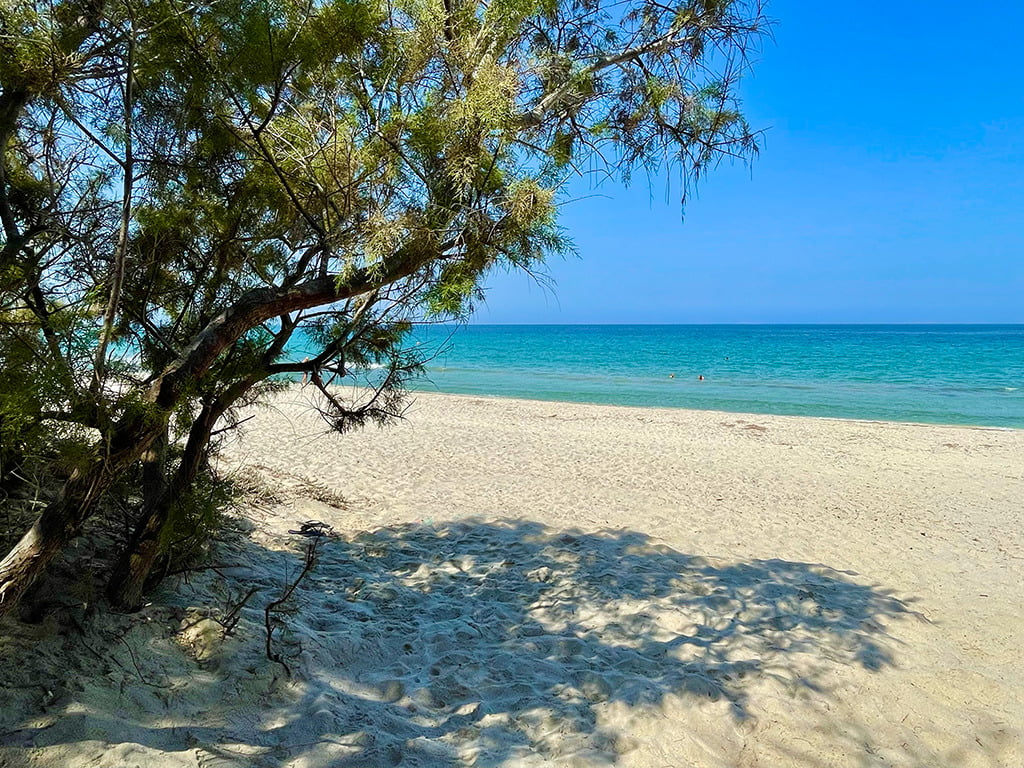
<point x="230" y="620"/>
<point x="313" y="528"/>
<point x="276" y="604"/>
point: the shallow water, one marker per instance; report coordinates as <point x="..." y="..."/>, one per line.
<point x="946" y="374"/>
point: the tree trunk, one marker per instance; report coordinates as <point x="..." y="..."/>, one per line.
<point x="55" y="527"/>
<point x="129" y="574"/>
<point x="63" y="518"/>
<point x="128" y="580"/>
<point x="154" y="471"/>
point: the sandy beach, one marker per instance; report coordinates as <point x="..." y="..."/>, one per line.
<point x="529" y="583"/>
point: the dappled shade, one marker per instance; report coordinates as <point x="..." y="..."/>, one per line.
<point x="481" y="642"/>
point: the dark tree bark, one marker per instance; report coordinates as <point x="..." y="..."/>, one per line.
<point x="156" y="493"/>
<point x="56" y="526"/>
<point x="61" y="520"/>
<point x="132" y="570"/>
<point x="154" y="471"/>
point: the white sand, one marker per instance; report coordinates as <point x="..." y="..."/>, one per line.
<point x="526" y="583"/>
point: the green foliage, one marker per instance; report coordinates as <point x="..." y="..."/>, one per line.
<point x="27" y="384"/>
<point x="195" y="517"/>
<point x="20" y="417"/>
<point x="178" y="180"/>
<point x="451" y="295"/>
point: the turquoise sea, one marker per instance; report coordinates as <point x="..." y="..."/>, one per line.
<point x="943" y="374"/>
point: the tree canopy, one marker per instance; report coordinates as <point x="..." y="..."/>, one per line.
<point x="188" y="187"/>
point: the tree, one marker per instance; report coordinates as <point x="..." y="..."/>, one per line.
<point x="186" y="188"/>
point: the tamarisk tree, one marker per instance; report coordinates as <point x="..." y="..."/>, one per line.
<point x="188" y="186"/>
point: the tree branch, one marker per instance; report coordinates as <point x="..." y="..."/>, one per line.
<point x="261" y="304"/>
<point x="121" y="249"/>
<point x="665" y="43"/>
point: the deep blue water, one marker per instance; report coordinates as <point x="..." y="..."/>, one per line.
<point x="939" y="374"/>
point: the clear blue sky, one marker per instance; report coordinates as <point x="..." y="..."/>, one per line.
<point x="890" y="187"/>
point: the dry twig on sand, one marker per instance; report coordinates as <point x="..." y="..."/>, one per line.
<point x="275" y="606"/>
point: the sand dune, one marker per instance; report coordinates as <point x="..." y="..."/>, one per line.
<point x="526" y="583"/>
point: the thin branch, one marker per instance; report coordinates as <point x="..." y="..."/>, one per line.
<point x="273" y="606"/>
<point x="121" y="250"/>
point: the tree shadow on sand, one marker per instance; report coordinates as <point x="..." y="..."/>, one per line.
<point x="483" y="643"/>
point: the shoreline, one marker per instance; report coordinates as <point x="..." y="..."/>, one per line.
<point x="438" y="393"/>
<point x="949" y="375"/>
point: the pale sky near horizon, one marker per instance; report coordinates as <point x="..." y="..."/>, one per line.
<point x="889" y="188"/>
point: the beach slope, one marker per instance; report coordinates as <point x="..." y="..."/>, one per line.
<point x="528" y="583"/>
